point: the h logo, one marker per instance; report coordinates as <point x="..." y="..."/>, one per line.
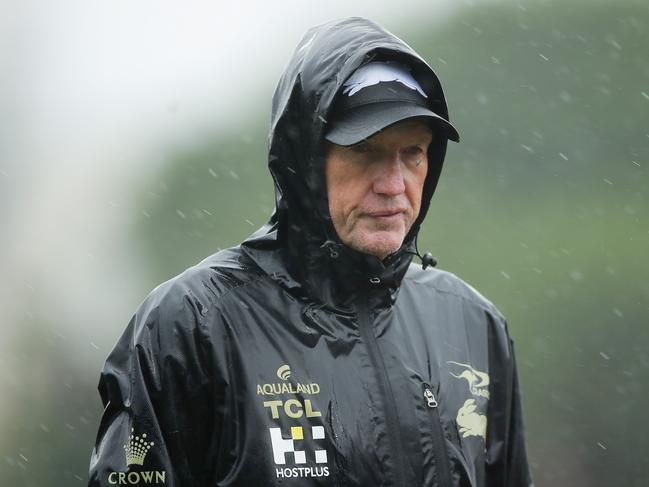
<point x="282" y="446"/>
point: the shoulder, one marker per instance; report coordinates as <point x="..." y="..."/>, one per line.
<point x="461" y="306"/>
<point x="174" y="325"/>
<point x="443" y="283"/>
<point x="193" y="297"/>
<point x="212" y="278"/>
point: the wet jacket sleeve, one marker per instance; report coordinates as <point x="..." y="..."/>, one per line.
<point x="158" y="423"/>
<point x="507" y="464"/>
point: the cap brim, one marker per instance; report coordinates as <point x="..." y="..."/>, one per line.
<point x="363" y="122"/>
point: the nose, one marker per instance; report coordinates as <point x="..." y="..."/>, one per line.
<point x="389" y="179"/>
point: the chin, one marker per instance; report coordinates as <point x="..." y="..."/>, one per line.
<point x="381" y="245"/>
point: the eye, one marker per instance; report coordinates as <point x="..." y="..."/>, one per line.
<point x="413" y="150"/>
<point x="413" y="155"/>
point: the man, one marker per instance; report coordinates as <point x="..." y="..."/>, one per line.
<point x="315" y="353"/>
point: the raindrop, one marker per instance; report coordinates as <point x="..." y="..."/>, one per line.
<point x="615" y="44"/>
<point x="565" y="97"/>
<point x="532" y="88"/>
<point x="604" y="90"/>
<point x="576" y="275"/>
<point x="482" y="98"/>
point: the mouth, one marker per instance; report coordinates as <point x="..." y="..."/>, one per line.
<point x="386" y="216"/>
<point x="385" y="213"/>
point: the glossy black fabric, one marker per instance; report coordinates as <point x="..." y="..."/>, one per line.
<point x="294" y="360"/>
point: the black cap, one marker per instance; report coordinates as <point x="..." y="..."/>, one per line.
<point x="378" y="95"/>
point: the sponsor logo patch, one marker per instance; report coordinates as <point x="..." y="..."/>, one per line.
<point x="135" y="452"/>
<point x="285" y="387"/>
<point x="469" y="419"/>
<point x="298" y="450"/>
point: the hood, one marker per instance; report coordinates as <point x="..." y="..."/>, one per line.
<point x="299" y="245"/>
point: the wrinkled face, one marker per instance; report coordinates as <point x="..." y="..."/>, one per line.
<point x="375" y="187"/>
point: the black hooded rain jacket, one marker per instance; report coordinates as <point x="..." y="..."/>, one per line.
<point x="294" y="360"/>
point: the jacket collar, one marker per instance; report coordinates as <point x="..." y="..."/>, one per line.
<point x="331" y="273"/>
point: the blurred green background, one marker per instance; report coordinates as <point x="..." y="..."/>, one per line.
<point x="543" y="207"/>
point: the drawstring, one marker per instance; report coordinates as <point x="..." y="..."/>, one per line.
<point x="427" y="259"/>
<point x="331" y="245"/>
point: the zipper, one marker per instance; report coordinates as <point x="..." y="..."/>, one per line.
<point x="387" y="395"/>
<point x="442" y="470"/>
<point x="429" y="397"/>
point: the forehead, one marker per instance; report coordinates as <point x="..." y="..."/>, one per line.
<point x="406" y="130"/>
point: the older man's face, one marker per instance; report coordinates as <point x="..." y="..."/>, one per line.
<point x="375" y="187"/>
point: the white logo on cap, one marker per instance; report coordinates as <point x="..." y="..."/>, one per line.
<point x="373" y="73"/>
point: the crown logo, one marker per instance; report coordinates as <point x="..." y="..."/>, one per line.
<point x="136" y="449"/>
<point x="284" y="372"/>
